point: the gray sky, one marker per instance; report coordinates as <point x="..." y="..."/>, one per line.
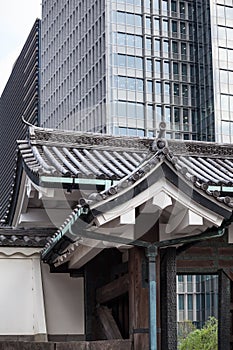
<point x="16" y="20"/>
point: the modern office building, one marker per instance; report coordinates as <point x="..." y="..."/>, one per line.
<point x="222" y="48"/>
<point x="197" y="298"/>
<point x="122" y="66"/>
<point x="20" y="97"/>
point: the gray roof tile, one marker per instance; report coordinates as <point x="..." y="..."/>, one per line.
<point x="86" y="155"/>
<point x="24" y="237"/>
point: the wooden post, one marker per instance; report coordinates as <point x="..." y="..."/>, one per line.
<point x="138" y="299"/>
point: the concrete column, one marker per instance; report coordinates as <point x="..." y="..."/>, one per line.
<point x="168" y="299"/>
<point x="224" y="326"/>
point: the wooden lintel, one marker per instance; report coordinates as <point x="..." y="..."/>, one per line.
<point x="113" y="289"/>
<point x="108" y="323"/>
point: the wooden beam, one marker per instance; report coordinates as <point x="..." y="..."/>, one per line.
<point x="109" y="325"/>
<point x="113" y="289"/>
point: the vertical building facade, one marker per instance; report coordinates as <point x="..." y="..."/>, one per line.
<point x="122" y="66"/>
<point x="197" y="298"/>
<point x="222" y="41"/>
<point x="73" y="76"/>
<point x="20" y="97"/>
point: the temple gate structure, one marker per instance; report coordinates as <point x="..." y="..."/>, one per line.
<point x="122" y="217"/>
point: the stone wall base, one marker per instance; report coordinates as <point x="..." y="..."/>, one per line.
<point x="82" y="345"/>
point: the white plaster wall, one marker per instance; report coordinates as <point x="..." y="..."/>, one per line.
<point x="21" y="297"/>
<point x="64" y="303"/>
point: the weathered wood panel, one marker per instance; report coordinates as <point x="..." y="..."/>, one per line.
<point x="139" y="300"/>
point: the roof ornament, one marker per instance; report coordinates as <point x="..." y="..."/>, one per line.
<point x="26" y="122"/>
<point x="160" y="143"/>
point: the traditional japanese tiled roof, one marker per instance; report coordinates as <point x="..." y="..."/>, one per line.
<point x="30" y="237"/>
<point x="130" y="165"/>
<point x="69" y="154"/>
<point x="51" y="154"/>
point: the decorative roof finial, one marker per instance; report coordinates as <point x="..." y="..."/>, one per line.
<point x="26" y="122"/>
<point x="160" y="142"/>
<point x="162" y="130"/>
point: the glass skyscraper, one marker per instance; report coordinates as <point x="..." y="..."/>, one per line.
<point x="222" y="43"/>
<point x="122" y="66"/>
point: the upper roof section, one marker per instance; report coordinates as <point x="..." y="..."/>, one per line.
<point x="51" y="156"/>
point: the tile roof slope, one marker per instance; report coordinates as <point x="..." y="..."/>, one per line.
<point x="84" y="155"/>
<point x="11" y="237"/>
<point x="56" y="153"/>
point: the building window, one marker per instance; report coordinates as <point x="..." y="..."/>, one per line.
<point x="182" y="28"/>
<point x="165" y="47"/>
<point x="156" y="24"/>
<point x="180" y="278"/>
<point x="157" y="45"/>
<point x="174" y="28"/>
<point x="176" y="90"/>
<point x="185" y="120"/>
<point x="190" y="301"/>
<point x="165" y="27"/>
<point x="125" y="18"/>
<point x="175" y="70"/>
<point x="128" y="83"/>
<point x="167" y="89"/>
<point x="121" y="60"/>
<point x="173" y="6"/>
<point x="184" y="71"/>
<point x="148" y="23"/>
<point x="158" y="67"/>
<point x="183" y="50"/>
<point x="181" y="301"/>
<point x="131" y="131"/>
<point x="166" y="68"/>
<point x="182" y="9"/>
<point x="122" y="109"/>
<point x="175" y="48"/>
<point x="158" y="114"/>
<point x="149" y="87"/>
<point x="148" y="44"/>
<point x="158" y="88"/>
<point x="128" y="61"/>
<point x="130" y="40"/>
<point x="150" y="112"/>
<point x="156" y="5"/>
<point x="149" y="65"/>
<point x="198" y="302"/>
<point x="168" y="116"/>
<point x="164" y="6"/>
